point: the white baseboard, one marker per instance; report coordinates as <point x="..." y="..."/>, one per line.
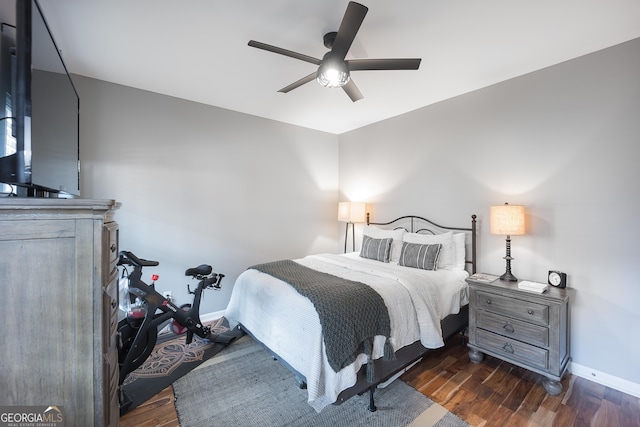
<point x="212" y="316"/>
<point x="605" y="379"/>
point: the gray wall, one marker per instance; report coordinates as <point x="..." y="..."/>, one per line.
<point x="200" y="184"/>
<point x="564" y="142"/>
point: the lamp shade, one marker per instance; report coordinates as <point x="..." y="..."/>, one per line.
<point x="507" y="220"/>
<point x="351" y="211"/>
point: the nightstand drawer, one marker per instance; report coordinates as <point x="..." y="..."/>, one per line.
<point x="520" y="309"/>
<point x="522" y="331"/>
<point x="512" y="349"/>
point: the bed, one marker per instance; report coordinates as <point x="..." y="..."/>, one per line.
<point x="417" y="269"/>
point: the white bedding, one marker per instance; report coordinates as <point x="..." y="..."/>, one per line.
<point x="285" y="321"/>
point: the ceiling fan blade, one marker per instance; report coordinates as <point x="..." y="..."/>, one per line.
<point x="383" y="64"/>
<point x="299" y="83"/>
<point x="349" y="27"/>
<point x="284" y="52"/>
<point x="352" y="90"/>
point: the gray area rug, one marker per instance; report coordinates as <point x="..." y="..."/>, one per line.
<point x="243" y="386"/>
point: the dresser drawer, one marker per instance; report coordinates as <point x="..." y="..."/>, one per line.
<point x="512" y="328"/>
<point x="513" y="349"/>
<point x="111" y="243"/>
<point x="110" y="313"/>
<point x="519" y="309"/>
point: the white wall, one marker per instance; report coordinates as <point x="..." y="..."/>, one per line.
<point x="200" y="184"/>
<point x="564" y="142"/>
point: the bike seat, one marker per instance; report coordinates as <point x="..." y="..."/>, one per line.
<point x="201" y="270"/>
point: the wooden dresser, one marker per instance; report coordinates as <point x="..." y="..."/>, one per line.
<point x="525" y="328"/>
<point x="59" y="286"/>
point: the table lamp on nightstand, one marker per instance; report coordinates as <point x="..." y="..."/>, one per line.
<point x="507" y="220"/>
<point x="350" y="212"/>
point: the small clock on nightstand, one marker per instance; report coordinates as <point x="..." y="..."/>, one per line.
<point x="557" y="279"/>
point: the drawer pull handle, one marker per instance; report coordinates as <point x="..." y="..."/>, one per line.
<point x="509" y="327"/>
<point x="530" y="311"/>
<point x="489" y="302"/>
<point x="113" y="247"/>
<point x="507" y="347"/>
<point x="114" y="303"/>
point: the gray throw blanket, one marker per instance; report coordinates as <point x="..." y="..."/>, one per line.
<point x="351" y="313"/>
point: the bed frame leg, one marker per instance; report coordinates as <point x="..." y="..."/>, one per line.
<point x="372" y="405"/>
<point x="300" y="383"/>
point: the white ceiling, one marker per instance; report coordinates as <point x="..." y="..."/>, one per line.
<point x="197" y="49"/>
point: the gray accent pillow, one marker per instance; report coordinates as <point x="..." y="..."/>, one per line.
<point x="378" y="249"/>
<point x="420" y="256"/>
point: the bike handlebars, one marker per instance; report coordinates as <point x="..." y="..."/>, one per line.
<point x="128" y="258"/>
<point x="214" y="281"/>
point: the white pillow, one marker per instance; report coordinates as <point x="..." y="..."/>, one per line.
<point x="379" y="233"/>
<point x="447" y="253"/>
<point x="459" y="251"/>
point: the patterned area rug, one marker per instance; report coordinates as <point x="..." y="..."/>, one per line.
<point x="171" y="359"/>
<point x="244" y="386"/>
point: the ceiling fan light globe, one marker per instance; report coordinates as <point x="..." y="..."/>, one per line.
<point x="332" y="75"/>
<point x="333" y="78"/>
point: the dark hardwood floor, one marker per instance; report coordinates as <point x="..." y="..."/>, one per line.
<point x="159" y="411"/>
<point x="491" y="393"/>
<point x="496" y="393"/>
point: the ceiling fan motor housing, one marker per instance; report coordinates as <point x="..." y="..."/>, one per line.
<point x="329" y="38"/>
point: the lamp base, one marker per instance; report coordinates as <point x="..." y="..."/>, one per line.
<point x="509" y="277"/>
<point x="507" y="274"/>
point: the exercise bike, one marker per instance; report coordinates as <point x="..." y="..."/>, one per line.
<point x="148" y="309"/>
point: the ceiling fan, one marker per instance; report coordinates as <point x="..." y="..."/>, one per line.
<point x="333" y="69"/>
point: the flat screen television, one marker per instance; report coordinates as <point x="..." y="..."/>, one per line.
<point x="39" y="146"/>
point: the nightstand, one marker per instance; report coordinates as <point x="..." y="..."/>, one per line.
<point x="525" y="328"/>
